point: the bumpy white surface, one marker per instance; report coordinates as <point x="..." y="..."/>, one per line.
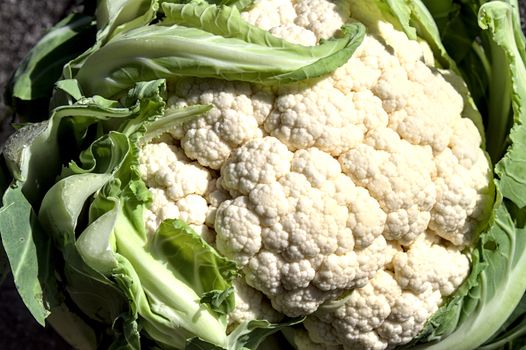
<point x="181" y="188"/>
<point x="268" y="14"/>
<point x="293" y="238"/>
<point x="366" y="180"/>
<point x="423" y="266"/>
<point x="400" y="176"/>
<point x="239" y="109"/>
<point x="251" y="304"/>
<point x="322" y="17"/>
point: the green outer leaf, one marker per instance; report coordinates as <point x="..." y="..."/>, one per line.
<point x="169" y="52"/>
<point x="248" y="335"/>
<point x="70" y="87"/>
<point x="499" y="20"/>
<point x="409" y="16"/>
<point x="171" y="118"/>
<point x="329" y="63"/>
<point x="417" y="23"/>
<point x="33" y="154"/>
<point x="169" y="298"/>
<point x="207" y="271"/>
<point x="227" y="22"/>
<point x="149" y="97"/>
<point x="512" y="333"/>
<point x="426" y="29"/>
<point x="118" y="16"/>
<point x="114" y="17"/>
<point x="72" y="328"/>
<point x="500" y="285"/>
<point x="93" y="243"/>
<point x="93" y="296"/>
<point x="28" y="250"/>
<point x="491" y="296"/>
<point x="17" y="149"/>
<point x="402" y="11"/>
<point x="96" y="158"/>
<point x="370" y="13"/>
<point x="41" y="68"/>
<point x="63" y="203"/>
<point x="222" y="302"/>
<point x="129" y="338"/>
<point x="114" y="242"/>
<point x="238" y="4"/>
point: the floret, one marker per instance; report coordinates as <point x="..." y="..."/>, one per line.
<point x="178" y="185"/>
<point x="251" y="304"/>
<point x="291" y="237"/>
<point x="238" y="110"/>
<point x="349" y="189"/>
<point x="316" y="115"/>
<point x="322" y="17"/>
<point x="400" y="176"/>
<point x="422" y="267"/>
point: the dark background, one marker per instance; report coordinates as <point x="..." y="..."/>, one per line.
<point x="22" y="23"/>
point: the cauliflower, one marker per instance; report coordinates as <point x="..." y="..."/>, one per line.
<point x="244" y="174"/>
<point x="238" y="111"/>
<point x="251" y="305"/>
<point x="181" y="188"/>
<point x="352" y="188"/>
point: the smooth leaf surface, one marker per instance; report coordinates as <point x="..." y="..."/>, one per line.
<point x="195" y="262"/>
<point x="118" y="16"/>
<point x="42" y="67"/>
<point x="28" y="249"/>
<point x="232" y="50"/>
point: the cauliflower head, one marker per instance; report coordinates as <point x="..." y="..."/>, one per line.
<point x="363" y="187"/>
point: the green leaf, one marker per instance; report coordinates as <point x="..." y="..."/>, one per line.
<point x="512" y="333"/>
<point x="232" y="50"/>
<point x="114" y="242"/>
<point x="497" y="282"/>
<point x="427" y="29"/>
<point x="17" y="154"/>
<point x="70" y="87"/>
<point x="118" y="16"/>
<point x="94" y="243"/>
<point x="172" y="118"/>
<point x="92" y="293"/>
<point x="499" y="20"/>
<point x="196" y="263"/>
<point x="35" y="154"/>
<point x="28" y="250"/>
<point x="70" y="326"/>
<point x="219" y="301"/>
<point x="113" y="18"/>
<point x="239" y="4"/>
<point x="97" y="159"/>
<point x="63" y="203"/>
<point x="41" y="68"/>
<point x="248" y="335"/>
<point x="127" y="333"/>
<point x="168" y="304"/>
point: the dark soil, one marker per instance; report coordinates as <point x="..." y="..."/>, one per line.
<point x="22" y="23"/>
